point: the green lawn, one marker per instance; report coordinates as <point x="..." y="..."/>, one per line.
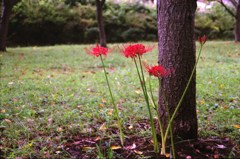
<point x="50" y="94"/>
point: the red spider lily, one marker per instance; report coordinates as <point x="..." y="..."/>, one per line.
<point x="133" y="50"/>
<point x="158" y="71"/>
<point x="97" y="51"/>
<point x="202" y="39"/>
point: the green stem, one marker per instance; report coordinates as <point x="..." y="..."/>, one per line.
<point x="142" y="82"/>
<point x="158" y="115"/>
<point x="113" y="102"/>
<point x="171" y="133"/>
<point x="151" y="92"/>
<point x="183" y="95"/>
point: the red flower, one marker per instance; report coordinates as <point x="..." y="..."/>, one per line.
<point x="97" y="51"/>
<point x="158" y="71"/>
<point x="135" y="49"/>
<point x="202" y="39"/>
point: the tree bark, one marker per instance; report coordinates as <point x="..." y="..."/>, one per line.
<point x="227" y="9"/>
<point x="237" y="23"/>
<point x="102" y="35"/>
<point x="176" y="44"/>
<point x="234" y="3"/>
<point x="7" y="6"/>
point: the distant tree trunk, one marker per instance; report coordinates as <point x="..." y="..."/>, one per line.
<point x="176" y="44"/>
<point x="237" y="23"/>
<point x="102" y="35"/>
<point x="236" y="4"/>
<point x="7" y="6"/>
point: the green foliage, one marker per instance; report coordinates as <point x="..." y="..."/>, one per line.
<point x="75" y="2"/>
<point x="133" y="34"/>
<point x="40" y="11"/>
<point x="42" y="22"/>
<point x="216" y="23"/>
<point x="101" y="154"/>
<point x="86" y="13"/>
<point x="91" y="34"/>
<point x="59" y="21"/>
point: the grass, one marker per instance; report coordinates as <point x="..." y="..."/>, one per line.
<point x="50" y="94"/>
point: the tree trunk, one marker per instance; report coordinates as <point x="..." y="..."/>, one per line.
<point x="177" y="50"/>
<point x="7" y="6"/>
<point x="102" y="35"/>
<point x="237" y="23"/>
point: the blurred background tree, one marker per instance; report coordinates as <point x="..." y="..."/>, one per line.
<point x="216" y="23"/>
<point x="234" y="11"/>
<point x="232" y="7"/>
<point x="101" y="29"/>
<point x="6" y="9"/>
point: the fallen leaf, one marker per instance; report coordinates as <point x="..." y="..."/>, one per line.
<point x="216" y="156"/>
<point x="130" y="127"/>
<point x="50" y="121"/>
<point x="235" y="101"/>
<point x="59" y="129"/>
<point x="152" y="141"/>
<point x="137" y="91"/>
<point x="49" y="76"/>
<point x="3" y="111"/>
<point x="118" y="83"/>
<point x="221" y="146"/>
<point x="115" y="147"/>
<point x="225" y="107"/>
<point x="110" y="112"/>
<point x="100" y="105"/>
<point x="103" y="127"/>
<point x="104" y="100"/>
<point x="77" y="142"/>
<point x="23" y="72"/>
<point x="236" y="126"/>
<point x="133" y="146"/>
<point x="121" y="100"/>
<point x="138" y="152"/>
<point x="89" y="72"/>
<point x="167" y="155"/>
<point x="90" y="90"/>
<point x="97" y="138"/>
<point x="58" y="152"/>
<point x="8" y="121"/>
<point x="88" y="148"/>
